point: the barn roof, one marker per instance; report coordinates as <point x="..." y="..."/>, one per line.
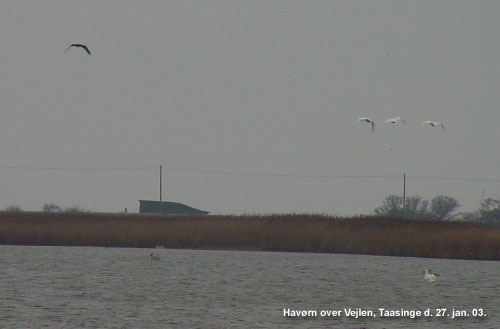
<point x="167" y="207"/>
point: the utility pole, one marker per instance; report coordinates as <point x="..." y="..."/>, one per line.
<point x="160" y="181"/>
<point x="404" y="194"/>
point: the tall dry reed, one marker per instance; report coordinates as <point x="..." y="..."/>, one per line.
<point x="292" y="232"/>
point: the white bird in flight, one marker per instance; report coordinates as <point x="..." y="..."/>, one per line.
<point x="433" y="123"/>
<point x="365" y="119"/>
<point x="396" y="120"/>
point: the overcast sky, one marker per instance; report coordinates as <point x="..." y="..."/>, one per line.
<point x="266" y="87"/>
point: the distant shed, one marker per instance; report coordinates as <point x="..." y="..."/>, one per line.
<point x="168" y="208"/>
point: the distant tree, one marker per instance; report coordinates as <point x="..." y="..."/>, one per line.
<point x="51" y="207"/>
<point x="13" y="208"/>
<point x="442" y="206"/>
<point x="490" y="211"/>
<point x="412" y="205"/>
<point x="470" y="216"/>
<point x="423" y="211"/>
<point x="417" y="208"/>
<point x="391" y="206"/>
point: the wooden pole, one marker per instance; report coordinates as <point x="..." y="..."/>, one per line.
<point x="404" y="194"/>
<point x="160" y="181"/>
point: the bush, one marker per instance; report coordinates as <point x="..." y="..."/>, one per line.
<point x="13" y="208"/>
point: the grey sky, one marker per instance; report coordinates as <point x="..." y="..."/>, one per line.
<point x="250" y="86"/>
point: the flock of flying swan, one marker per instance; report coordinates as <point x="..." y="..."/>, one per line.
<point x="362" y="119"/>
<point x="398" y="120"/>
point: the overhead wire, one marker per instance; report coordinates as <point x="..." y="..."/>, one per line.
<point x="244" y="173"/>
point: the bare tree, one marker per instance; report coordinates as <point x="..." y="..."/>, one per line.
<point x="490" y="211"/>
<point x="442" y="206"/>
<point x="417" y="208"/>
<point x="392" y="206"/>
<point x="51" y="207"/>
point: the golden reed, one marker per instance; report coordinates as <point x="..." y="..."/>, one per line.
<point x="287" y="232"/>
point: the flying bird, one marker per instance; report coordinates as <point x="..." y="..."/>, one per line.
<point x="365" y="119"/>
<point x="154" y="257"/>
<point x="433" y="123"/>
<point x="81" y="46"/>
<point x="396" y="120"/>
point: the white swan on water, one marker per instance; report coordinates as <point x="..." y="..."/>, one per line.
<point x="429" y="276"/>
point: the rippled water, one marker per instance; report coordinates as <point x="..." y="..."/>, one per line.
<point x="68" y="287"/>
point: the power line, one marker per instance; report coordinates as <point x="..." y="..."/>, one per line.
<point x="242" y="173"/>
<point x="77" y="168"/>
<point x="455" y="178"/>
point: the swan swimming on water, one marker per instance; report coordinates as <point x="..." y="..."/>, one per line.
<point x="429" y="276"/>
<point x="370" y="121"/>
<point x="154" y="257"/>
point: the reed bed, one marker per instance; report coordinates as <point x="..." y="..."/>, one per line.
<point x="291" y="233"/>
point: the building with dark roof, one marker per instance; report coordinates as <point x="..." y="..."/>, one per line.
<point x="168" y="208"/>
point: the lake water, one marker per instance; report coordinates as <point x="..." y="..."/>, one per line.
<point x="72" y="287"/>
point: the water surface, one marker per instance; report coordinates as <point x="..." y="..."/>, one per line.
<point x="74" y="287"/>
